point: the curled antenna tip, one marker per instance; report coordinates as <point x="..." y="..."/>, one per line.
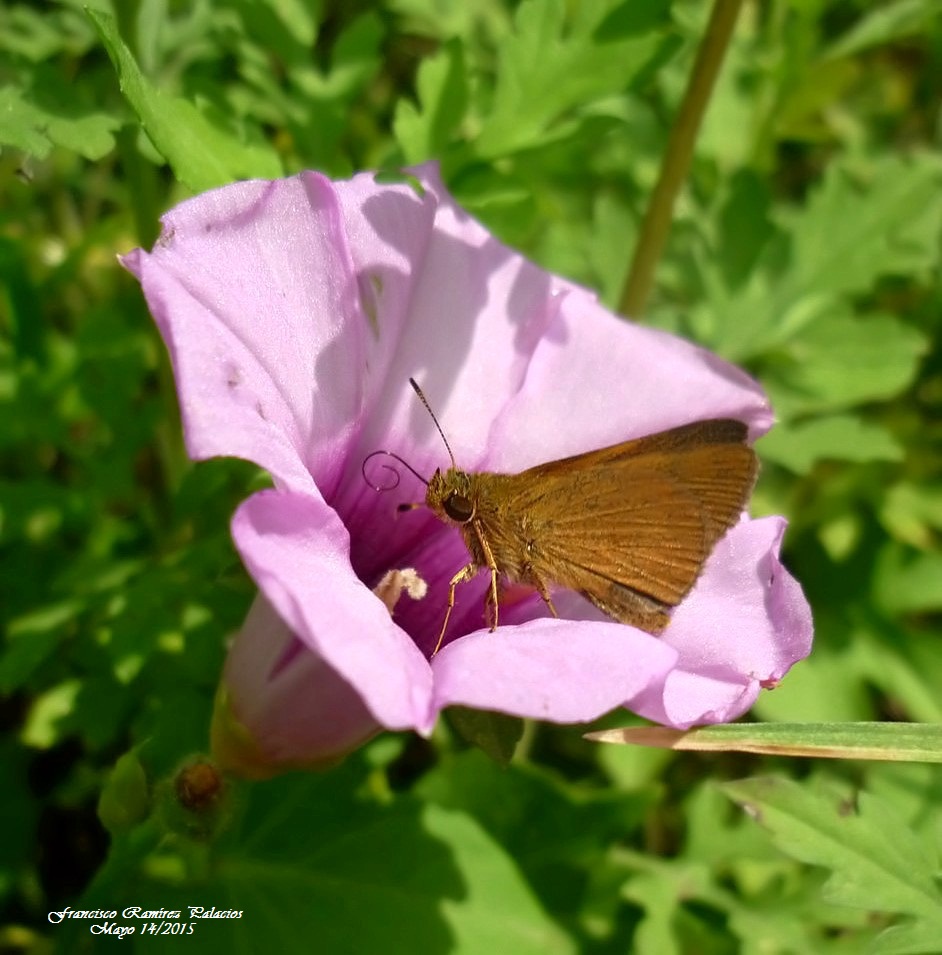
<point x="392" y="470"/>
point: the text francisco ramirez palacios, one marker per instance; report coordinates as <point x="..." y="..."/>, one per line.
<point x="154" y="921"/>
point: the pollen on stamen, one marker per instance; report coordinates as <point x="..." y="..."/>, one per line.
<point x="397" y="582"/>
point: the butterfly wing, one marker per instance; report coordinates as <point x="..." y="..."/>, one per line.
<point x="643" y="518"/>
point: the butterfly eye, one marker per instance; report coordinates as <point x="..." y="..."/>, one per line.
<point x="458" y="508"/>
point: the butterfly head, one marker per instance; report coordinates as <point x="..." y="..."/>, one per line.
<point x="450" y="496"/>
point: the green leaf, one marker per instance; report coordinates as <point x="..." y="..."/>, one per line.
<point x="554" y="830"/>
<point x="552" y="64"/>
<point x="744" y="226"/>
<point x="441" y="84"/>
<point x="632" y="17"/>
<point x="21" y="124"/>
<point x="42" y="728"/>
<point x="766" y="908"/>
<point x="884" y="24"/>
<point x="908" y="581"/>
<point x="444" y="19"/>
<point x="32" y="639"/>
<point x="494" y="733"/>
<point x="201" y="154"/>
<point x="860" y="224"/>
<point x="913" y="512"/>
<point x="34" y="129"/>
<point x="898" y="673"/>
<point x="877" y="862"/>
<point x="309" y="861"/>
<point x="803" y="115"/>
<point x="356" y="55"/>
<point x="827" y="687"/>
<point x="496" y="908"/>
<point x="612" y="229"/>
<point x="902" y="742"/>
<point x="298" y="17"/>
<point x="910" y="939"/>
<point x="801" y="445"/>
<point x="124" y="800"/>
<point x="839" y="360"/>
<point x="536" y="816"/>
<point x="657" y="896"/>
<point x="857" y="226"/>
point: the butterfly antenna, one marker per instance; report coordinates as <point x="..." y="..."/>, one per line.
<point x="392" y="470"/>
<point x="424" y="401"/>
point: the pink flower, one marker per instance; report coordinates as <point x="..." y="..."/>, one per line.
<point x="295" y="311"/>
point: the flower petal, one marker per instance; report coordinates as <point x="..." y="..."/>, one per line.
<point x="508" y="354"/>
<point x="280" y="705"/>
<point x="476" y="309"/>
<point x="745" y="623"/>
<point x="297" y="550"/>
<point x="257" y="299"/>
<point x="551" y="669"/>
<point x="295" y="312"/>
<point x="596" y="380"/>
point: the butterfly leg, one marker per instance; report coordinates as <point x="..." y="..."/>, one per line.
<point x="544" y="593"/>
<point x="491" y="603"/>
<point x="466" y="573"/>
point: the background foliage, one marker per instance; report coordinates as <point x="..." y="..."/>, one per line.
<point x="806" y="247"/>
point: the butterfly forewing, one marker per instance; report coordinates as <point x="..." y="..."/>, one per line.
<point x="645" y="516"/>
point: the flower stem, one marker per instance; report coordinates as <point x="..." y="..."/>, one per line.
<point x="657" y="219"/>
